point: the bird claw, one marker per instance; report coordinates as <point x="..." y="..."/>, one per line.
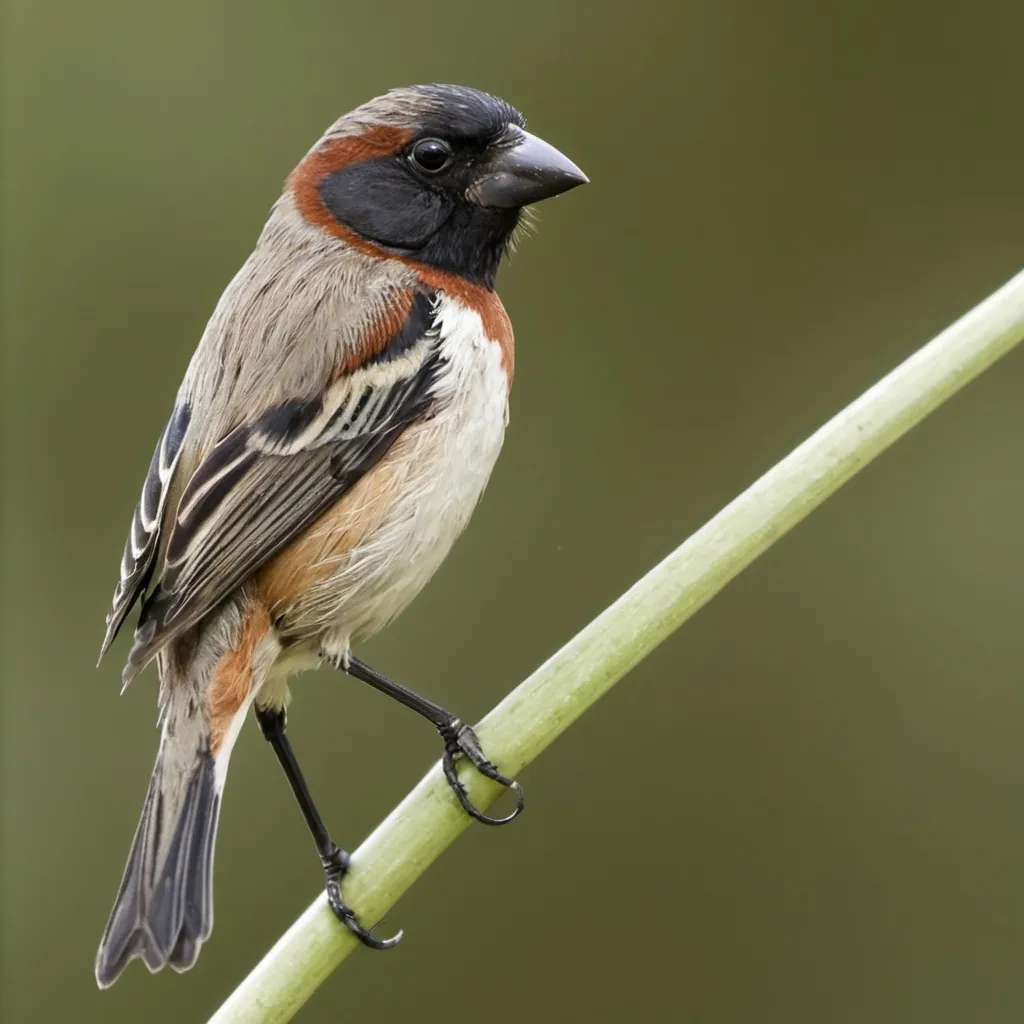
<point x="336" y="866"/>
<point x="461" y="739"/>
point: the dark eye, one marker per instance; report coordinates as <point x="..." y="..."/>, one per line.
<point x="431" y="155"/>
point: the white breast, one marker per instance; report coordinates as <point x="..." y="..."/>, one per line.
<point x="440" y="467"/>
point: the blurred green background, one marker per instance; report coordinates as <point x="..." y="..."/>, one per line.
<point x="807" y="805"/>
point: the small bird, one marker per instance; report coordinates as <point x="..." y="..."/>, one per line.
<point x="335" y="429"/>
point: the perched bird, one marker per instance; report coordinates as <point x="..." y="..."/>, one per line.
<point x="334" y="431"/>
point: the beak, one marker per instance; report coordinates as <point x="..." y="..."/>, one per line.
<point x="524" y="170"/>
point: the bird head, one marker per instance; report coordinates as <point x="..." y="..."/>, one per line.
<point x="436" y="175"/>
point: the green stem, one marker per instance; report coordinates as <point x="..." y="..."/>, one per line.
<point x="536" y="712"/>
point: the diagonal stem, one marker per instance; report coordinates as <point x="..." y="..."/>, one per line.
<point x="534" y="714"/>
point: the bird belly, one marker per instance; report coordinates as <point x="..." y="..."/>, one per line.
<point x="367" y="558"/>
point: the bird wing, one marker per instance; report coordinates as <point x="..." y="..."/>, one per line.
<point x="273" y="476"/>
<point x="140" y="549"/>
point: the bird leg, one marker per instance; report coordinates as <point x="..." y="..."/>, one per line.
<point x="458" y="737"/>
<point x="335" y="861"/>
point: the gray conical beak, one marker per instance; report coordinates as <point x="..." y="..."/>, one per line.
<point x="524" y="170"/>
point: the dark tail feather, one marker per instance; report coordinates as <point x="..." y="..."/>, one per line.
<point x="164" y="909"/>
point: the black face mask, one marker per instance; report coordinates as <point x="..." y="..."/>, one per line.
<point x="385" y="201"/>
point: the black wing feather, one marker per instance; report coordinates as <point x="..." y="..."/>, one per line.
<point x="139" y="558"/>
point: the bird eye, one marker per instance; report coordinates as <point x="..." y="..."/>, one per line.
<point x="431" y="155"/>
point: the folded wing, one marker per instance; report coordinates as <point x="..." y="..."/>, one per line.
<point x="273" y="476"/>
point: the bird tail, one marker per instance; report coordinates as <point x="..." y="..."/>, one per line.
<point x="163" y="912"/>
<point x="164" y="908"/>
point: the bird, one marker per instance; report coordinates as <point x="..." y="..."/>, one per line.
<point x="334" y="431"/>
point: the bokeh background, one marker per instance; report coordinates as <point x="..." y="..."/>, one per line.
<point x="807" y="806"/>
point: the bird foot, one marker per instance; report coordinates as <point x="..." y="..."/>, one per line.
<point x="461" y="739"/>
<point x="336" y="864"/>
